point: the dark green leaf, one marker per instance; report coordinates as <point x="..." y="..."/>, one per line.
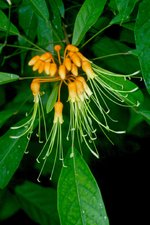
<point x="61" y="8"/>
<point x="38" y="202"/>
<point x="86" y="17"/>
<point x="120" y="54"/>
<point x="56" y="21"/>
<point x="7" y="77"/>
<point x="40" y="8"/>
<point x="45" y="35"/>
<point x="8" y="204"/>
<point x="79" y="198"/>
<point x="27" y="19"/>
<point x="11" y="153"/>
<point x="142" y="35"/>
<point x="6" y="25"/>
<point x="52" y="98"/>
<point x="125" y="8"/>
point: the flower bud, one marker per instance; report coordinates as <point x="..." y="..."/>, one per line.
<point x="67" y="63"/>
<point x="75" y="59"/>
<point x="62" y="71"/>
<point x="37" y="65"/>
<point x="53" y="69"/>
<point x="57" y="48"/>
<point x="72" y="48"/>
<point x="58" y="107"/>
<point x="35" y="87"/>
<point x="41" y="67"/>
<point x="33" y="60"/>
<point x="47" y="68"/>
<point x="86" y="66"/>
<point x="47" y="56"/>
<point x="74" y="69"/>
<point x="72" y="92"/>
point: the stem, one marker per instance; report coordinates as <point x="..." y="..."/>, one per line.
<point x="111" y="55"/>
<point x="95" y="35"/>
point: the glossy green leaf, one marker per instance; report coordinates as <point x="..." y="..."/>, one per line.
<point x="11" y="153"/>
<point x="79" y="198"/>
<point x="7" y="77"/>
<point x="142" y="36"/>
<point x="38" y="202"/>
<point x="86" y="17"/>
<point x="52" y="99"/>
<point x="6" y="25"/>
<point x="124" y="8"/>
<point x="40" y="8"/>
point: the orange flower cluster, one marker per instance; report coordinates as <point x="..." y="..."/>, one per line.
<point x="69" y="66"/>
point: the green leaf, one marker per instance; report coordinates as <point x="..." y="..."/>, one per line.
<point x="61" y="8"/>
<point x="6" y="25"/>
<point x="79" y="198"/>
<point x="11" y="153"/>
<point x="125" y="8"/>
<point x="120" y="54"/>
<point x="142" y="36"/>
<point x="56" y="20"/>
<point x="27" y="14"/>
<point x="52" y="98"/>
<point x="7" y="77"/>
<point x="40" y="8"/>
<point x="38" y="202"/>
<point x="86" y="17"/>
<point x="45" y="35"/>
<point x="10" y="205"/>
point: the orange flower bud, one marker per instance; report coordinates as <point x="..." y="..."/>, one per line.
<point x="33" y="60"/>
<point x="53" y="69"/>
<point x="74" y="69"/>
<point x="57" y="48"/>
<point x="86" y="66"/>
<point x="80" y="88"/>
<point x="62" y="71"/>
<point x="37" y="65"/>
<point x="58" y="107"/>
<point x="82" y="57"/>
<point x="47" y="56"/>
<point x="47" y="68"/>
<point x="86" y="87"/>
<point x="35" y="87"/>
<point x="72" y="92"/>
<point x="75" y="59"/>
<point x="41" y="67"/>
<point x="67" y="63"/>
<point x="72" y="48"/>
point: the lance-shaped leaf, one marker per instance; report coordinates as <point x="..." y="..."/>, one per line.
<point x="142" y="36"/>
<point x="79" y="198"/>
<point x="7" y="77"/>
<point x="40" y="8"/>
<point x="38" y="202"/>
<point x="11" y="153"/>
<point x="52" y="98"/>
<point x="86" y="17"/>
<point x="6" y="25"/>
